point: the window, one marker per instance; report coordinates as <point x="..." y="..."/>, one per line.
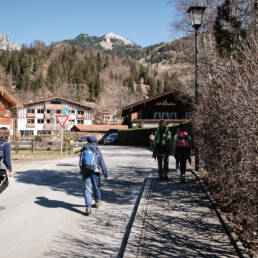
<point x="58" y="111"/>
<point x="48" y="111"/>
<point x="71" y="121"/>
<point x="80" y="112"/>
<point x="40" y="111"/>
<point x="80" y="122"/>
<point x="40" y="121"/>
<point x="48" y="121"/>
<point x="187" y="115"/>
<point x="31" y="111"/>
<point x="5" y="112"/>
<point x="56" y="102"/>
<point x="72" y="111"/>
<point x="30" y="121"/>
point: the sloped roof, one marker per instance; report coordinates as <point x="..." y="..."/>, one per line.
<point x="180" y="95"/>
<point x="9" y="97"/>
<point x="97" y="128"/>
<point x="40" y="100"/>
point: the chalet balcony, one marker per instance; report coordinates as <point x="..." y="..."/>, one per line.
<point x="30" y="115"/>
<point x="47" y="116"/>
<point x="80" y="117"/>
<point x="49" y="127"/>
<point x="30" y="125"/>
<point x="151" y="123"/>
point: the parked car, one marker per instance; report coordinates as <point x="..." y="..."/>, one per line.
<point x="111" y="138"/>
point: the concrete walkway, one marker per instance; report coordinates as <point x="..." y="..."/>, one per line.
<point x="176" y="220"/>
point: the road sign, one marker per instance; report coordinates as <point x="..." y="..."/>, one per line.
<point x="62" y="119"/>
<point x="64" y="110"/>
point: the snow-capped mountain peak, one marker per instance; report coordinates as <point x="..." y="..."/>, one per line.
<point x="7" y="44"/>
<point x="111" y="35"/>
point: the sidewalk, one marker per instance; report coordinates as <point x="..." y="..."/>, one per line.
<point x="177" y="220"/>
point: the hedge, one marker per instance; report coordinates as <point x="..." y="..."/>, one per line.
<point x="140" y="136"/>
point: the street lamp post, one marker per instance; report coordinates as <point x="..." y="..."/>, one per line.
<point x="196" y="14"/>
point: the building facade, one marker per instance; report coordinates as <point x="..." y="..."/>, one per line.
<point x="7" y="103"/>
<point x="39" y="116"/>
<point x="173" y="106"/>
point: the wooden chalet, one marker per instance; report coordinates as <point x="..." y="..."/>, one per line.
<point x="173" y="106"/>
<point x="7" y="103"/>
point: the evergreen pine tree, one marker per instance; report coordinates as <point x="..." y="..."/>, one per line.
<point x="139" y="89"/>
<point x="159" y="87"/>
<point x="99" y="62"/>
<point x="228" y="30"/>
<point x="131" y="84"/>
<point x="97" y="86"/>
<point x="153" y="87"/>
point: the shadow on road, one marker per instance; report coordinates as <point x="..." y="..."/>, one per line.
<point x="45" y="202"/>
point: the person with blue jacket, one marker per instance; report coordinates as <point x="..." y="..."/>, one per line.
<point x="92" y="177"/>
<point x="5" y="153"/>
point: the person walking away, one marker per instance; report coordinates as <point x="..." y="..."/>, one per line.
<point x="162" y="144"/>
<point x="177" y="160"/>
<point x="182" y="149"/>
<point x="91" y="163"/>
<point x="5" y="159"/>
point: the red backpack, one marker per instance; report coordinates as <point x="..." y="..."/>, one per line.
<point x="182" y="139"/>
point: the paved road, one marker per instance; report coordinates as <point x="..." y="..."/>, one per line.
<point x="45" y="205"/>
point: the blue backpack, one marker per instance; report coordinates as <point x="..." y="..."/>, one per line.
<point x="89" y="159"/>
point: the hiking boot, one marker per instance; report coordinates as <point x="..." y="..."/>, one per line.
<point x="2" y="207"/>
<point x="97" y="204"/>
<point x="165" y="178"/>
<point x="88" y="211"/>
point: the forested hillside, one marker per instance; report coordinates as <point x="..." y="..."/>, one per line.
<point x="81" y="74"/>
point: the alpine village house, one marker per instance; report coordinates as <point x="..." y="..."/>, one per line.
<point x="40" y="116"/>
<point x="173" y="106"/>
<point x="7" y="103"/>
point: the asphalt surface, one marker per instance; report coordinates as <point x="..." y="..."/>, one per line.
<point x="45" y="206"/>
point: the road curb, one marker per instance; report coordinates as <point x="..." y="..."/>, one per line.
<point x="134" y="240"/>
<point x="132" y="236"/>
<point x="241" y="252"/>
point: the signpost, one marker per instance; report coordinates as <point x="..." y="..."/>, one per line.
<point x="62" y="120"/>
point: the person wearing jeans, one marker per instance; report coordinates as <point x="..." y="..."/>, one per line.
<point x="91" y="187"/>
<point x="91" y="178"/>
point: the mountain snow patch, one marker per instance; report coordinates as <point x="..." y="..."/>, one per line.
<point x="107" y="44"/>
<point x="114" y="36"/>
<point x="7" y="44"/>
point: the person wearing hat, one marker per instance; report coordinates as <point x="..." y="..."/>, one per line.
<point x="91" y="173"/>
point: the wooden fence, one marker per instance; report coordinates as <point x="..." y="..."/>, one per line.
<point x="32" y="146"/>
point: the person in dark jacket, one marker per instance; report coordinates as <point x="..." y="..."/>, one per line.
<point x="5" y="153"/>
<point x="182" y="149"/>
<point x="90" y="177"/>
<point x="162" y="146"/>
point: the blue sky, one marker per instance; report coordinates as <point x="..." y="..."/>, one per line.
<point x="145" y="22"/>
